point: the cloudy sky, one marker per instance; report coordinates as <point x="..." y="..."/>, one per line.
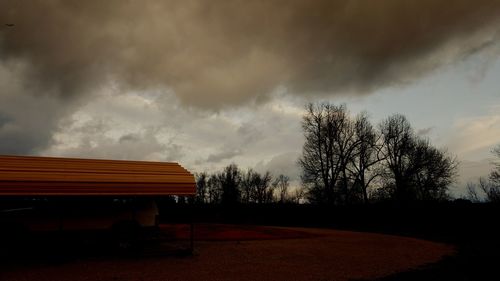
<point x="208" y="83"/>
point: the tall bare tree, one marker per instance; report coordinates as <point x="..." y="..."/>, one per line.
<point x="432" y="171"/>
<point x="229" y="180"/>
<point x="247" y="186"/>
<point x="398" y="142"/>
<point x="256" y="188"/>
<point x="201" y="188"/>
<point x="263" y="191"/>
<point x="366" y="155"/>
<point x="344" y="147"/>
<point x="281" y="184"/>
<point x="214" y="189"/>
<point x="416" y="169"/>
<point x="317" y="173"/>
<point x="328" y="149"/>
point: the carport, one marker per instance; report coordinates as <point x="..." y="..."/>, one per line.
<point x="32" y="177"/>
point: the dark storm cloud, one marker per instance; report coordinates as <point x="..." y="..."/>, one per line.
<point x="27" y="119"/>
<point x="217" y="54"/>
<point x="220" y="53"/>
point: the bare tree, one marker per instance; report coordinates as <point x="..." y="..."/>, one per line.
<point x="247" y="186"/>
<point x="491" y="190"/>
<point x="263" y="192"/>
<point x="256" y="188"/>
<point x="472" y="193"/>
<point x="281" y="184"/>
<point x="433" y="170"/>
<point x="366" y="155"/>
<point x="328" y="149"/>
<point x="201" y="188"/>
<point x="398" y="142"/>
<point x="345" y="145"/>
<point x="418" y="171"/>
<point x="214" y="189"/>
<point x="495" y="174"/>
<point x="490" y="186"/>
<point x="229" y="181"/>
<point x="297" y="195"/>
<point x="317" y="173"/>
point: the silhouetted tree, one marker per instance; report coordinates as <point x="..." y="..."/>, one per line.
<point x="491" y="190"/>
<point x="365" y="157"/>
<point x="256" y="188"/>
<point x="345" y="146"/>
<point x="415" y="169"/>
<point x="491" y="186"/>
<point x="248" y="185"/>
<point x="432" y="171"/>
<point x="201" y="188"/>
<point x="263" y="192"/>
<point x="398" y="142"/>
<point x="281" y="184"/>
<point x="229" y="181"/>
<point x="472" y="193"/>
<point x="297" y="195"/>
<point x="317" y="174"/>
<point x="231" y="186"/>
<point x="328" y="149"/>
<point x="495" y="174"/>
<point x="214" y="189"/>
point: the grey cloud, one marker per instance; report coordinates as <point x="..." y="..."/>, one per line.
<point x="470" y="172"/>
<point x="129" y="138"/>
<point x="424" y="131"/>
<point x="249" y="132"/>
<point x="27" y="119"/>
<point x="174" y="152"/>
<point x="4" y="119"/>
<point x="214" y="54"/>
<point x="223" y="155"/>
<point x="285" y="163"/>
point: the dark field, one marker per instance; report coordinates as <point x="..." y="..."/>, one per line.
<point x="354" y="243"/>
<point x="472" y="228"/>
<point x="233" y="252"/>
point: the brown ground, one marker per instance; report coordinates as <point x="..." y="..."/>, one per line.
<point x="226" y="252"/>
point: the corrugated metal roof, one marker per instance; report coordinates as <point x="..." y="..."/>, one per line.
<point x="45" y="176"/>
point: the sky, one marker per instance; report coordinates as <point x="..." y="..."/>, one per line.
<point x="209" y="83"/>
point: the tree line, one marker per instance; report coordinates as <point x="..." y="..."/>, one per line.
<point x="346" y="159"/>
<point x="233" y="185"/>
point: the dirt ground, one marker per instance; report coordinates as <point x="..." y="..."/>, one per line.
<point x="226" y="252"/>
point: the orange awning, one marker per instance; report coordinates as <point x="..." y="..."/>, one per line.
<point x="46" y="176"/>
